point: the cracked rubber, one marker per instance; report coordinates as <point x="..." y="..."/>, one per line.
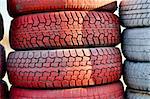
<point x="3" y="90"/>
<point x="1" y="27"/>
<point x="135" y="13"/>
<point x="109" y="91"/>
<point x="70" y="29"/>
<point x="17" y="7"/>
<point x="2" y="62"/>
<point x="64" y="68"/>
<point x="136" y="44"/>
<point x="136" y="75"/>
<point x="136" y="94"/>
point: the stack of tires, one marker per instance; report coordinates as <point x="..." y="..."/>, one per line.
<point x="135" y="16"/>
<point x="3" y="85"/>
<point x="64" y="49"/>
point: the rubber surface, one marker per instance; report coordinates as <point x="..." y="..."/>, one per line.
<point x="136" y="75"/>
<point x="136" y="44"/>
<point x="64" y="68"/>
<point x="17" y="7"/>
<point x="110" y="91"/>
<point x="136" y="94"/>
<point x="65" y="30"/>
<point x="3" y="90"/>
<point x="135" y="13"/>
<point x="1" y="27"/>
<point x="2" y="62"/>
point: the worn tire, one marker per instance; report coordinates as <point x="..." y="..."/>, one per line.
<point x="135" y="13"/>
<point x="17" y="7"/>
<point x="136" y="75"/>
<point x="136" y="44"/>
<point x="66" y="30"/>
<point x="2" y="62"/>
<point x="109" y="91"/>
<point x="3" y="90"/>
<point x="64" y="68"/>
<point x="136" y="94"/>
<point x="1" y="27"/>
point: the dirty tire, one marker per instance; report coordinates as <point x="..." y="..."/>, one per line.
<point x="3" y="90"/>
<point x="64" y="68"/>
<point x="65" y="30"/>
<point x="136" y="44"/>
<point x="113" y="91"/>
<point x="136" y="94"/>
<point x="135" y="13"/>
<point x="1" y="27"/>
<point x="136" y="75"/>
<point x="2" y="62"/>
<point x="17" y="8"/>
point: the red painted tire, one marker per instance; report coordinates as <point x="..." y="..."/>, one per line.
<point x="2" y="62"/>
<point x="17" y="7"/>
<point x="70" y="29"/>
<point x="64" y="68"/>
<point x="3" y="90"/>
<point x="1" y="27"/>
<point x="110" y="91"/>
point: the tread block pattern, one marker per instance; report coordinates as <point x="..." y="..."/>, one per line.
<point x="135" y="13"/>
<point x="64" y="68"/>
<point x="136" y="75"/>
<point x="136" y="44"/>
<point x="66" y="29"/>
<point x="136" y="94"/>
<point x="2" y="62"/>
<point x="1" y="27"/>
<point x="17" y="7"/>
<point x="113" y="91"/>
<point x="3" y="90"/>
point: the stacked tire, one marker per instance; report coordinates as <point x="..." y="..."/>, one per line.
<point x="136" y="44"/>
<point x="64" y="49"/>
<point x="3" y="85"/>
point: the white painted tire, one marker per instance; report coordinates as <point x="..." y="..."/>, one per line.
<point x="136" y="75"/>
<point x="135" y="13"/>
<point x="136" y="94"/>
<point x="136" y="44"/>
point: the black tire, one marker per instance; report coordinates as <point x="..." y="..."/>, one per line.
<point x="3" y="90"/>
<point x="136" y="75"/>
<point x="137" y="94"/>
<point x="1" y="27"/>
<point x="64" y="68"/>
<point x="2" y="62"/>
<point x="135" y="13"/>
<point x="109" y="91"/>
<point x="136" y="44"/>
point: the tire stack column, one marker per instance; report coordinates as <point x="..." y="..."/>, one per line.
<point x="134" y="15"/>
<point x="3" y="85"/>
<point x="64" y="49"/>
